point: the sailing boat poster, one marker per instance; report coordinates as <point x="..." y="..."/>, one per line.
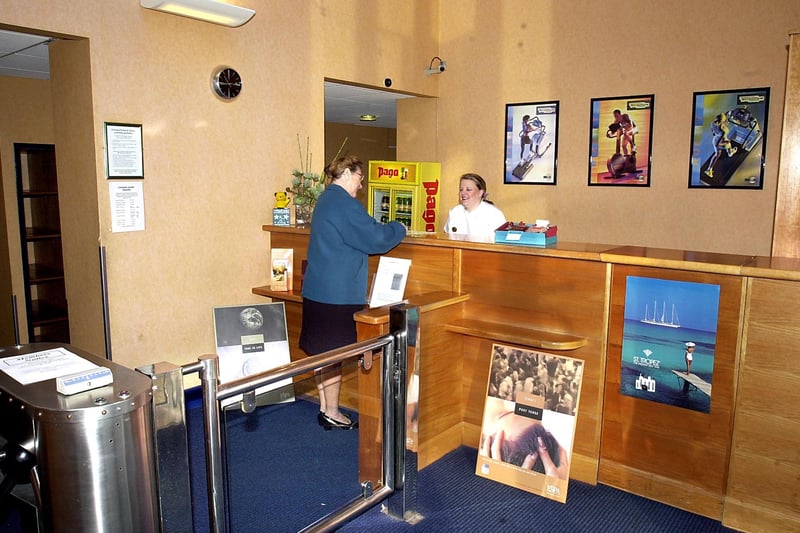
<point x="668" y="341"/>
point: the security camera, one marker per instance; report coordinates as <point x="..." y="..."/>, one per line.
<point x="388" y="82"/>
<point x="441" y="67"/>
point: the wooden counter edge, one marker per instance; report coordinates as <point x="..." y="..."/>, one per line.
<point x="712" y="262"/>
<point x="426" y="302"/>
<point x="288" y="296"/>
<point x="534" y="338"/>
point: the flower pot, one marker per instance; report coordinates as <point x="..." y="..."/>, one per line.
<point x="302" y="214"/>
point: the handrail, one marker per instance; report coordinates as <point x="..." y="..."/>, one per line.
<point x="213" y="392"/>
<point x="289" y="370"/>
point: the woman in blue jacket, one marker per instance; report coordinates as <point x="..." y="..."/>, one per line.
<point x="343" y="236"/>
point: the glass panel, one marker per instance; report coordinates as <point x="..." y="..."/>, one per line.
<point x="284" y="470"/>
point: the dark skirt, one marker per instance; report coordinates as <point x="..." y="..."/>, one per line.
<point x="327" y="326"/>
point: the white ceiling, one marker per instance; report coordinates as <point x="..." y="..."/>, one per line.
<point x="27" y="56"/>
<point x="24" y="55"/>
<point x="344" y="104"/>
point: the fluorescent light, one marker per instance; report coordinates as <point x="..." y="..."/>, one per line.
<point x="206" y="10"/>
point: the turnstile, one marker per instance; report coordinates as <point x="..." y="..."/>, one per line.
<point x="88" y="456"/>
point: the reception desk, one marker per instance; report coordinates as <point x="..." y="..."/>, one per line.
<point x="738" y="463"/>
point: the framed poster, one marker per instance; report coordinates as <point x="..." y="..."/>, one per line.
<point x="620" y="140"/>
<point x="252" y="339"/>
<point x="729" y="139"/>
<point x="124" y="157"/>
<point x="529" y="416"/>
<point x="531" y="150"/>
<point x="668" y="342"/>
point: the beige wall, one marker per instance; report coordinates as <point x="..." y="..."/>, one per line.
<point x="212" y="167"/>
<point x="26" y="116"/>
<point x="521" y="51"/>
<point x="367" y="142"/>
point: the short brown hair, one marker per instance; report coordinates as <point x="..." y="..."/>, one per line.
<point x="336" y="168"/>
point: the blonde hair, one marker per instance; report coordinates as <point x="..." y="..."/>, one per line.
<point x="479" y="182"/>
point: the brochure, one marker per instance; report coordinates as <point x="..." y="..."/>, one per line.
<point x="281" y="269"/>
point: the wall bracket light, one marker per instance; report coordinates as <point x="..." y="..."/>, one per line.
<point x="212" y="11"/>
<point x="438" y="69"/>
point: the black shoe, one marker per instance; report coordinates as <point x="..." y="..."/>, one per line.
<point x="329" y="423"/>
<point x="320" y="419"/>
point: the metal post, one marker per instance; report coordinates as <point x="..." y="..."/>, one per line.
<point x="15" y="315"/>
<point x="209" y="377"/>
<point x="104" y="298"/>
<point x="172" y="447"/>
<point x="404" y="324"/>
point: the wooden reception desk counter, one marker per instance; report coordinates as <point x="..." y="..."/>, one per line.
<point x="738" y="463"/>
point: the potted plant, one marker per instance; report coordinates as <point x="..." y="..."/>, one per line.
<point x="306" y="187"/>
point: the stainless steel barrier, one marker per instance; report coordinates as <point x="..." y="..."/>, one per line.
<point x="393" y="366"/>
<point x="88" y="456"/>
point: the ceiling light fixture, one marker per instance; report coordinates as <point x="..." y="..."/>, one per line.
<point x="367" y="118"/>
<point x="212" y="11"/>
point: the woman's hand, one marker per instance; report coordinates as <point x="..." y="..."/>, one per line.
<point x="492" y="445"/>
<point x="561" y="471"/>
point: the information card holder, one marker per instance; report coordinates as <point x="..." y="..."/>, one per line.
<point x="389" y="282"/>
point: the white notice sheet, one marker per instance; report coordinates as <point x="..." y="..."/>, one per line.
<point x="127" y="206"/>
<point x="48" y="364"/>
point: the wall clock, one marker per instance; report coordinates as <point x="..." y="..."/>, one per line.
<point x="227" y="83"/>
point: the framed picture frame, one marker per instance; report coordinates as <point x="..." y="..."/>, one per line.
<point x="531" y="143"/>
<point x="124" y="155"/>
<point x="729" y="139"/>
<point x="620" y="140"/>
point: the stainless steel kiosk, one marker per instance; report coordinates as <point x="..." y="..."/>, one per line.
<point x="89" y="455"/>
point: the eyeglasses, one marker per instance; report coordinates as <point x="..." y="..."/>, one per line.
<point x="360" y="175"/>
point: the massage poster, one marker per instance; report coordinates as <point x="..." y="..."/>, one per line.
<point x="252" y="339"/>
<point x="529" y="418"/>
<point x="668" y="341"/>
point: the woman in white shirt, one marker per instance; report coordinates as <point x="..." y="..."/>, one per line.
<point x="474" y="215"/>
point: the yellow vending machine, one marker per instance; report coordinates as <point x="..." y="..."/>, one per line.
<point x="407" y="192"/>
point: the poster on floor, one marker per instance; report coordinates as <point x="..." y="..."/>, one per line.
<point x="528" y="425"/>
<point x="668" y="341"/>
<point x="252" y="339"/>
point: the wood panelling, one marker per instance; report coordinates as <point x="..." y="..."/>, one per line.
<point x="745" y="472"/>
<point x="787" y="205"/>
<point x="431" y="268"/>
<point x="666" y="453"/>
<point x="764" y="482"/>
<point x="554" y="294"/>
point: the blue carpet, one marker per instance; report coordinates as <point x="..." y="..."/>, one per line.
<point x="451" y="498"/>
<point x="284" y="471"/>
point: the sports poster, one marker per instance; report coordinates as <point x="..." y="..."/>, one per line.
<point x="252" y="339"/>
<point x="620" y="140"/>
<point x="529" y="419"/>
<point x="729" y="137"/>
<point x="531" y="143"/>
<point x="668" y="341"/>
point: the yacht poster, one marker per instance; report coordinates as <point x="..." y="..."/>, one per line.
<point x="528" y="426"/>
<point x="252" y="339"/>
<point x="668" y="341"/>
